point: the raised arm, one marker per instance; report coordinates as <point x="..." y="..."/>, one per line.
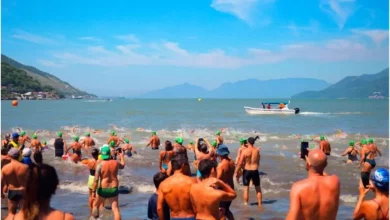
<point x="295" y="204"/>
<point x="207" y="142"/>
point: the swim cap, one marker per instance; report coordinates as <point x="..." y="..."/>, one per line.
<point x="371" y="140"/>
<point x="105" y="152"/>
<point x="14" y="153"/>
<point x="59" y="134"/>
<point x="381" y="179"/>
<point x="214" y="143"/>
<point x="26" y="152"/>
<point x="112" y="132"/>
<point x="112" y="144"/>
<point x="364" y="141"/>
<point x="351" y="143"/>
<point x="7" y="136"/>
<point x="76" y="138"/>
<point x="218" y="133"/>
<point x="44" y="142"/>
<point x="191" y="142"/>
<point x="322" y="137"/>
<point x="35" y="136"/>
<point x="127" y="140"/>
<point x="242" y="140"/>
<point x="15" y="135"/>
<point x="154" y="133"/>
<point x="179" y="140"/>
<point x="87" y="134"/>
<point x="22" y="133"/>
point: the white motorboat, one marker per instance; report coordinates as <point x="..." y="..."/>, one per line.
<point x="267" y="110"/>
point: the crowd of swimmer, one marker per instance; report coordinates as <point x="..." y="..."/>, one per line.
<point x="29" y="184"/>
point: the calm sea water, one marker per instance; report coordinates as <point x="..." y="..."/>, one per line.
<point x="339" y="120"/>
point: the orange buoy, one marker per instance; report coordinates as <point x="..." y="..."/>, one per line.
<point x="15" y="103"/>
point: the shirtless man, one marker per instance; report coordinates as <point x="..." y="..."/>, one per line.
<point x="324" y="145"/>
<point x="240" y="149"/>
<point x="114" y="138"/>
<point x="106" y="182"/>
<point x="87" y="142"/>
<point x="35" y="144"/>
<point x="225" y="172"/>
<point x="154" y="141"/>
<point x="175" y="190"/>
<point x="352" y="152"/>
<point x="250" y="162"/>
<point x="219" y="138"/>
<point x="23" y="139"/>
<point x="317" y="197"/>
<point x="5" y="142"/>
<point x="13" y="177"/>
<point x="210" y="193"/>
<point x="76" y="147"/>
<point x="127" y="148"/>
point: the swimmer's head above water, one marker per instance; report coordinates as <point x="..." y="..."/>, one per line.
<point x="59" y="134"/>
<point x="371" y="140"/>
<point x="179" y="140"/>
<point x="76" y="138"/>
<point x="363" y="142"/>
<point x="127" y="140"/>
<point x="322" y="137"/>
<point x="351" y="143"/>
<point x="218" y="133"/>
<point x="35" y="136"/>
<point x="22" y="133"/>
<point x="112" y="144"/>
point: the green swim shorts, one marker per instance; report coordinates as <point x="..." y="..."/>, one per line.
<point x="107" y="192"/>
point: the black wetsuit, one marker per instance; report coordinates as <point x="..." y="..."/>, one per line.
<point x="366" y="175"/>
<point x="59" y="147"/>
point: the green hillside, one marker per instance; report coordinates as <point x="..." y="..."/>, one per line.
<point x="45" y="79"/>
<point x="353" y="87"/>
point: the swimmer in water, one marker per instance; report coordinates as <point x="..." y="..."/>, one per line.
<point x="35" y="144"/>
<point x="352" y="152"/>
<point x="127" y="148"/>
<point x="87" y="142"/>
<point x="114" y="138"/>
<point x="166" y="156"/>
<point x="154" y="141"/>
<point x="324" y="145"/>
<point x="76" y="147"/>
<point x="250" y="162"/>
<point x="219" y="138"/>
<point x="91" y="163"/>
<point x="23" y="138"/>
<point x="325" y="188"/>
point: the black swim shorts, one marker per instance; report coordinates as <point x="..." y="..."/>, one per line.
<point x="249" y="175"/>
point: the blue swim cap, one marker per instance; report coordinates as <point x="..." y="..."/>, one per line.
<point x="15" y="135"/>
<point x="381" y="179"/>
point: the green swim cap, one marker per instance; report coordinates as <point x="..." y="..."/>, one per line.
<point x="214" y="143"/>
<point x="191" y="142"/>
<point x="127" y="140"/>
<point x="154" y="133"/>
<point x="218" y="133"/>
<point x="351" y="143"/>
<point x="22" y="133"/>
<point x="364" y="141"/>
<point x="87" y="134"/>
<point x="34" y="136"/>
<point x="242" y="140"/>
<point x="44" y="142"/>
<point x="179" y="140"/>
<point x="76" y="138"/>
<point x="371" y="140"/>
<point x="112" y="132"/>
<point x="112" y="144"/>
<point x="59" y="134"/>
<point x="322" y="137"/>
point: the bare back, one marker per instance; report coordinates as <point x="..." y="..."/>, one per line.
<point x="36" y="143"/>
<point x="108" y="173"/>
<point x="176" y="191"/>
<point x="325" y="147"/>
<point x="251" y="157"/>
<point x="205" y="201"/>
<point x="315" y="198"/>
<point x="225" y="171"/>
<point x="88" y="142"/>
<point x="155" y="142"/>
<point x="14" y="174"/>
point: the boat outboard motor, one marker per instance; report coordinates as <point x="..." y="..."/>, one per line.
<point x="296" y="110"/>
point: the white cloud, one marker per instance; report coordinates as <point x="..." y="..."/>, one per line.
<point x="242" y="9"/>
<point x="377" y="35"/>
<point x="298" y="30"/>
<point x="171" y="54"/>
<point x="49" y="63"/>
<point x="90" y="38"/>
<point x="23" y="35"/>
<point x="339" y="10"/>
<point x="128" y="37"/>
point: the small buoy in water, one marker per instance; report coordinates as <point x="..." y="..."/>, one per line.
<point x="199" y="99"/>
<point x="15" y="103"/>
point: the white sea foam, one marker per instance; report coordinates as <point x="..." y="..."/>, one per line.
<point x="76" y="187"/>
<point x="348" y="198"/>
<point x="145" y="188"/>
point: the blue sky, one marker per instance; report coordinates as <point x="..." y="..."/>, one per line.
<point x="130" y="47"/>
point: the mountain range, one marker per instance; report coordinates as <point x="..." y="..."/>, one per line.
<point x="353" y="87"/>
<point x="45" y="80"/>
<point x="251" y="88"/>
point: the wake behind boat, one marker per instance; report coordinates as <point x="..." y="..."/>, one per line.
<point x="268" y="110"/>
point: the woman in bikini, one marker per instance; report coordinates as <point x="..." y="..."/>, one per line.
<point x="377" y="208"/>
<point x="166" y="156"/>
<point x="91" y="163"/>
<point x="367" y="159"/>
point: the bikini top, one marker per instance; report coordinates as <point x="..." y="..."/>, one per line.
<point x="384" y="214"/>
